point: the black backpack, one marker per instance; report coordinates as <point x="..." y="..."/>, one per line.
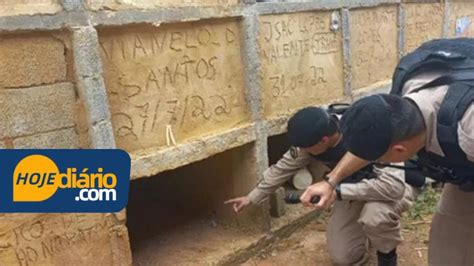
<point x="455" y="57"/>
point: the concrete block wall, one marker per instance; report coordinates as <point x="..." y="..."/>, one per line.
<point x="176" y="82"/>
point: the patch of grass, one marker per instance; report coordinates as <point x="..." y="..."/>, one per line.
<point x="425" y="204"/>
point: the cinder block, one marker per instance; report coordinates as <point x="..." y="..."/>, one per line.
<point x="36" y="109"/>
<point x="182" y="80"/>
<point x="29" y="7"/>
<point x="301" y="57"/>
<point x="277" y="203"/>
<point x="120" y="5"/>
<point x="374" y="36"/>
<point x="424" y="22"/>
<point x="49" y="239"/>
<point x="61" y="139"/>
<point x="31" y="60"/>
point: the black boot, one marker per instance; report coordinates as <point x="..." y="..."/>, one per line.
<point x="387" y="259"/>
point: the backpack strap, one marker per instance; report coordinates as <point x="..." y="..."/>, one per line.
<point x="458" y="99"/>
<point x="464" y="76"/>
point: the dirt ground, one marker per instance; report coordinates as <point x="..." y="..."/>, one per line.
<point x="206" y="242"/>
<point x="308" y="246"/>
<point x="196" y="243"/>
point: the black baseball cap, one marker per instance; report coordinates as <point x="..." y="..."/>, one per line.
<point x="366" y="127"/>
<point x="308" y="126"/>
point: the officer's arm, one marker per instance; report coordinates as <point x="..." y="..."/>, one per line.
<point x="279" y="173"/>
<point x="389" y="185"/>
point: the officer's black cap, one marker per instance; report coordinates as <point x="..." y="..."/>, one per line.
<point x="366" y="127"/>
<point x="308" y="126"/>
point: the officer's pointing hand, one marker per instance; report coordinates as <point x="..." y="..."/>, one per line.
<point x="238" y="203"/>
<point x="322" y="189"/>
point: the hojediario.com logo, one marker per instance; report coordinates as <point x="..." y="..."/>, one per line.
<point x="64" y="180"/>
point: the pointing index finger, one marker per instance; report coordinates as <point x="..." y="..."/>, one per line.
<point x="230" y="201"/>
